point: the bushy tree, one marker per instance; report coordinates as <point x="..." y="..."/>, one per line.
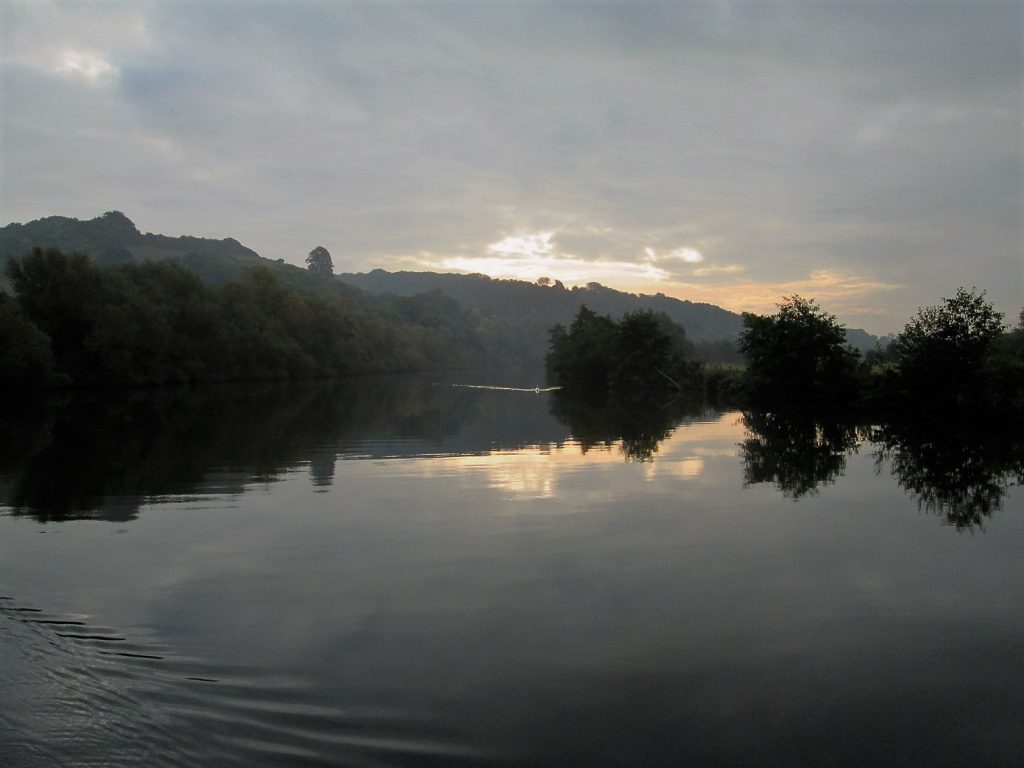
<point x="582" y="356"/>
<point x="645" y="350"/>
<point x="26" y="360"/>
<point x="61" y="294"/>
<point x="319" y="261"/>
<point x="798" y="355"/>
<point x="941" y="352"/>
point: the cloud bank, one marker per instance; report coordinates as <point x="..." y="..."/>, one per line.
<point x="714" y="151"/>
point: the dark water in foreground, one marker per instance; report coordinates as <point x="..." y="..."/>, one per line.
<point x="394" y="573"/>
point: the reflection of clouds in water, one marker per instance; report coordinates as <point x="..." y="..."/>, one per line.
<point x="550" y="471"/>
<point x="686" y="468"/>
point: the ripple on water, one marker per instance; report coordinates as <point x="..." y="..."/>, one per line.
<point x="78" y="694"/>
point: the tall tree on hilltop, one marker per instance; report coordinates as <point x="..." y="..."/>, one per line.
<point x="319" y="261"/>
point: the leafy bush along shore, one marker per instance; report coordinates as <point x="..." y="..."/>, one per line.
<point x="643" y="351"/>
<point x="954" y="356"/>
<point x="71" y="322"/>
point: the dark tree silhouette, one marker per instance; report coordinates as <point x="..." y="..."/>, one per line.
<point x="643" y="351"/>
<point x="939" y="355"/>
<point x="798" y="355"/>
<point x="319" y="261"/>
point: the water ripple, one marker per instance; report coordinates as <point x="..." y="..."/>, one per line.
<point x="95" y="696"/>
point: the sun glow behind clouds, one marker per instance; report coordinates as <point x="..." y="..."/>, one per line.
<point x="569" y="269"/>
<point x="684" y="254"/>
<point x="88" y="66"/>
<point x="532" y="255"/>
<point x="536" y="254"/>
<point x="524" y="246"/>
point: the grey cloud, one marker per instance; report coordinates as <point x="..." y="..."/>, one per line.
<point x="882" y="139"/>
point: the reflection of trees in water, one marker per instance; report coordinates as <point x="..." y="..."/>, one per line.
<point x="637" y="424"/>
<point x="795" y="452"/>
<point x="959" y="471"/>
<point x="102" y="456"/>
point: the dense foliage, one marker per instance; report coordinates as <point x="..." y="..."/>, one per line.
<point x="319" y="261"/>
<point x="798" y="355"/>
<point x="73" y="322"/>
<point x="953" y="355"/>
<point x="943" y="351"/>
<point x="642" y="351"/>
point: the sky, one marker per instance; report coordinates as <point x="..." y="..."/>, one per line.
<point x="869" y="155"/>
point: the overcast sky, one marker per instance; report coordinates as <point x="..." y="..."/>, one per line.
<point x="867" y="154"/>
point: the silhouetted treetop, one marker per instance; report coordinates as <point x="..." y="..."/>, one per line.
<point x="319" y="261"/>
<point x="798" y="355"/>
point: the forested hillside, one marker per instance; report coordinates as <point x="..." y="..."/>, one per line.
<point x="113" y="239"/>
<point x="508" y="320"/>
<point x="551" y="303"/>
<point x="71" y="322"/>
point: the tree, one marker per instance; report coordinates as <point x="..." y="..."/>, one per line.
<point x="26" y="359"/>
<point x="941" y="352"/>
<point x="798" y="355"/>
<point x="61" y="295"/>
<point x="319" y="261"/>
<point x="643" y="351"/>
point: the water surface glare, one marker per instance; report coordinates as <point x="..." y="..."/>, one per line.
<point x="456" y="576"/>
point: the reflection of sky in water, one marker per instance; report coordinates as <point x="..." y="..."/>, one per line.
<point x="544" y="471"/>
<point x="550" y="605"/>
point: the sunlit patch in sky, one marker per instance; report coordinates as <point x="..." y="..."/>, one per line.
<point x="87" y="66"/>
<point x="571" y="270"/>
<point x="537" y="244"/>
<point x="533" y="255"/>
<point x="729" y="269"/>
<point x="685" y="254"/>
<point x="841" y="292"/>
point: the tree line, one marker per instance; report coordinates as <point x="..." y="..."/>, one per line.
<point x="71" y="322"/>
<point x="955" y="355"/>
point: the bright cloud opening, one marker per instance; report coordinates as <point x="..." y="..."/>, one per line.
<point x="685" y="254"/>
<point x="730" y="269"/>
<point x="88" y="66"/>
<point x="572" y="270"/>
<point x="529" y="246"/>
<point x="533" y="255"/>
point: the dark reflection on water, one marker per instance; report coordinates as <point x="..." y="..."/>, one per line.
<point x="101" y="456"/>
<point x="957" y="469"/>
<point x="795" y="451"/>
<point x="636" y="424"/>
<point x="398" y="573"/>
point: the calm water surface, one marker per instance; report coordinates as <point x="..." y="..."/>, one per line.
<point x="400" y="573"/>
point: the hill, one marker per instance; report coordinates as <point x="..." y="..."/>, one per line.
<point x="518" y="300"/>
<point x="114" y="239"/>
<point x="511" y="317"/>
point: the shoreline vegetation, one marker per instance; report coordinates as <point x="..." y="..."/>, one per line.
<point x="71" y="323"/>
<point x="955" y="358"/>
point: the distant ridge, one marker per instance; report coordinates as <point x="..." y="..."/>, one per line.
<point x="114" y="239"/>
<point x="519" y="300"/>
<point x="532" y="308"/>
